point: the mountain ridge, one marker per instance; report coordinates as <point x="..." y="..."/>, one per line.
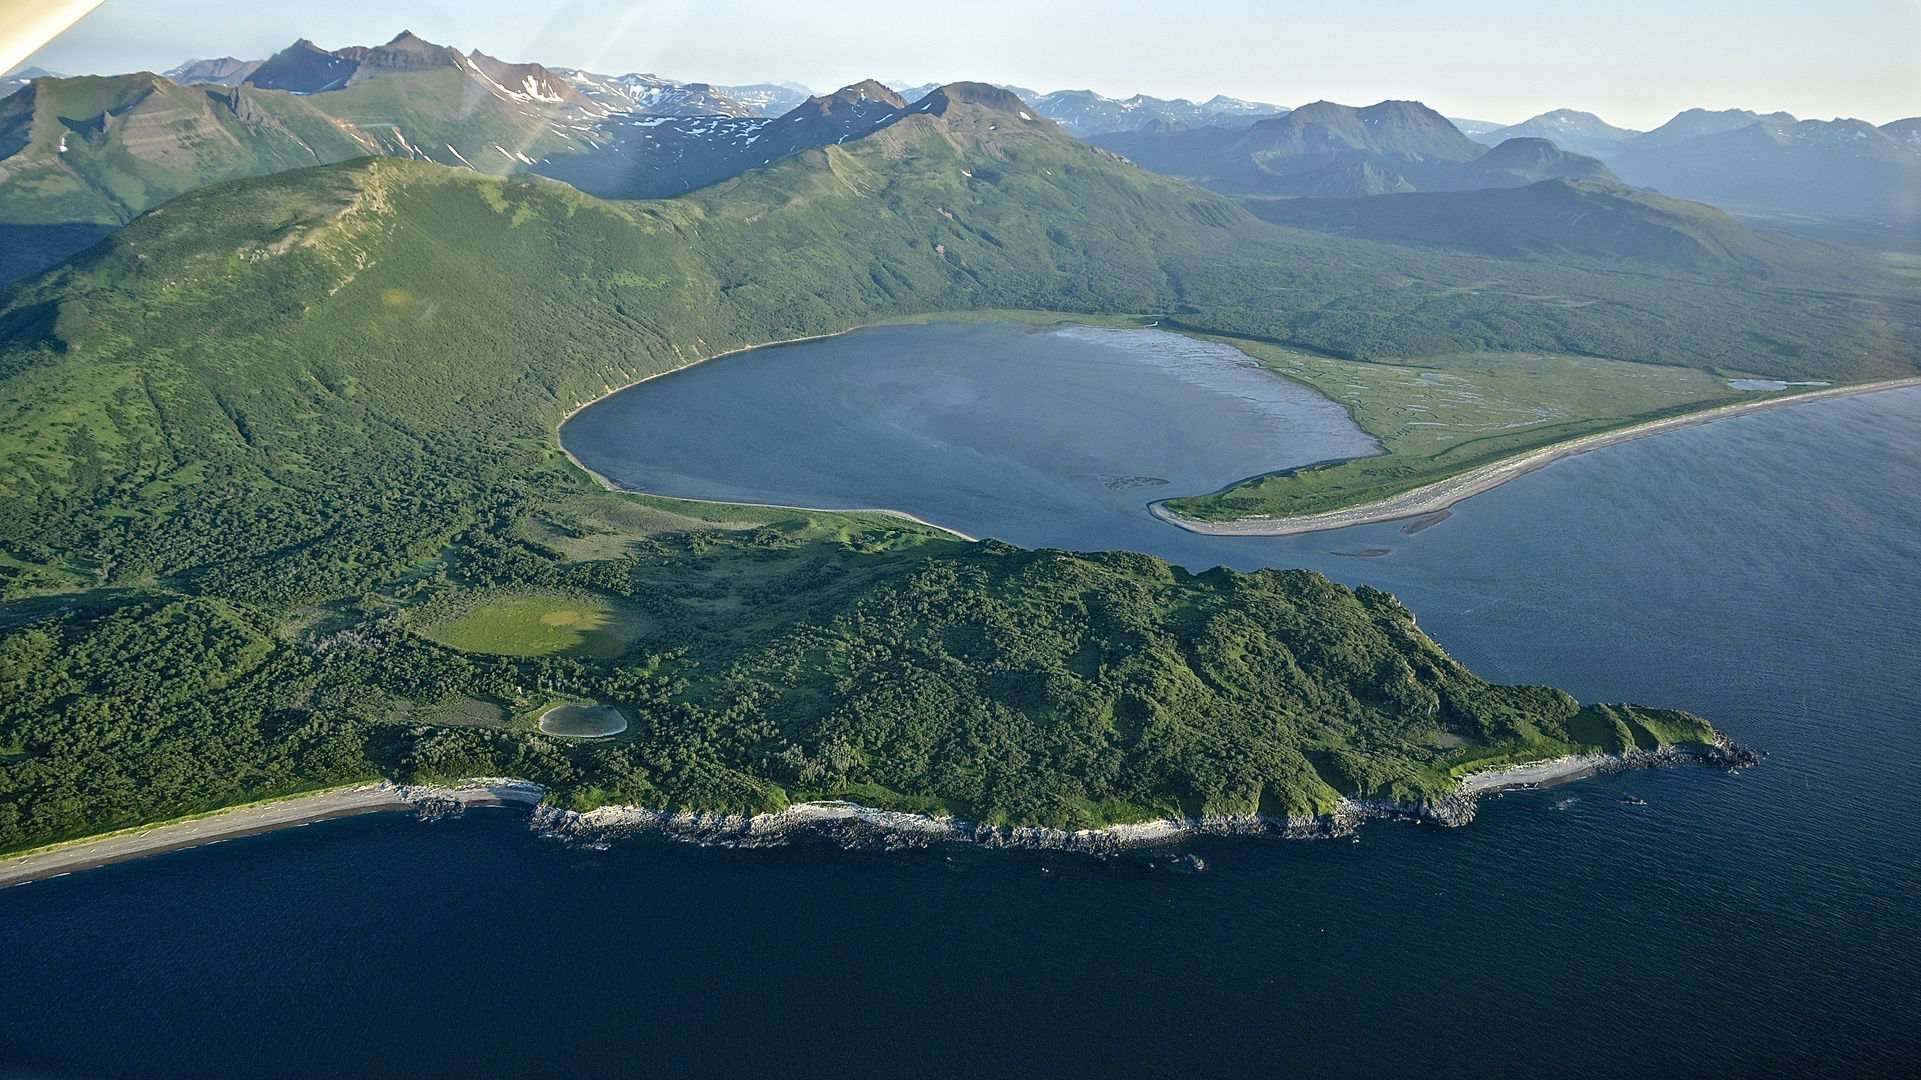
<point x="1569" y="129"/>
<point x="1551" y="219"/>
<point x="1331" y="150"/>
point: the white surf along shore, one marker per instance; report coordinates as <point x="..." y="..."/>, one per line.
<point x="845" y="822"/>
<point x="1443" y="494"/>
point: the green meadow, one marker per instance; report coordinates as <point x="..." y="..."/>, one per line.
<point x="541" y="626"/>
<point x="1439" y="416"/>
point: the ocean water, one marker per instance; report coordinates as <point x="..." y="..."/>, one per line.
<point x="1764" y="572"/>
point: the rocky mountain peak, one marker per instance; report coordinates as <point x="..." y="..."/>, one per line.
<point x="407" y="52"/>
<point x="306" y="68"/>
<point x="861" y="96"/>
<point x="1399" y="129"/>
<point x="982" y="95"/>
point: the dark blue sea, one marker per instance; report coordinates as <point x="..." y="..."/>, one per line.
<point x="1764" y="572"/>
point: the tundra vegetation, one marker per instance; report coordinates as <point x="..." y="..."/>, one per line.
<point x="269" y="453"/>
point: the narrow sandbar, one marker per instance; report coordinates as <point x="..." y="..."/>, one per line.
<point x="1443" y="494"/>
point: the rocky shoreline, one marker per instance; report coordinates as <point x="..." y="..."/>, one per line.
<point x="847" y="824"/>
<point x="852" y="825"/>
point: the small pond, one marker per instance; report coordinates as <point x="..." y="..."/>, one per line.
<point x="583" y="721"/>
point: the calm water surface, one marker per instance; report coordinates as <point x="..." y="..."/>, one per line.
<point x="1765" y="572"/>
<point x="1054" y="439"/>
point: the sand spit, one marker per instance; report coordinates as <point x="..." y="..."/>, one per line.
<point x="1439" y="496"/>
<point x="428" y="802"/>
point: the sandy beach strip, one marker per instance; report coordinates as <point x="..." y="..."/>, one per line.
<point x="256" y="818"/>
<point x="1537" y="773"/>
<point x="1443" y="494"/>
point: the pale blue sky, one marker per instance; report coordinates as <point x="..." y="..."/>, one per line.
<point x="1635" y="62"/>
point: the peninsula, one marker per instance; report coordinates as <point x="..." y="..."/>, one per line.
<point x="283" y="507"/>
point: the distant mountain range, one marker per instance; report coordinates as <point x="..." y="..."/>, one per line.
<point x="80" y="156"/>
<point x="1083" y="113"/>
<point x="1331" y="150"/>
<point x="1839" y="179"/>
<point x="1555" y="220"/>
<point x="1579" y="132"/>
<point x="1586" y="133"/>
<point x="1843" y="179"/>
<point x="223" y="71"/>
<point x="20" y="79"/>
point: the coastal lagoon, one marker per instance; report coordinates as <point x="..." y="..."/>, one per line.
<point x="1764" y="572"/>
<point x="1039" y="437"/>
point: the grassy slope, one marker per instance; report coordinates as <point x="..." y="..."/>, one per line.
<point x="444" y="115"/>
<point x="1578" y="220"/>
<point x="257" y="421"/>
<point x="131" y="142"/>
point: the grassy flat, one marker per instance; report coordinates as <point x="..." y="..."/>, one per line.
<point x="462" y="712"/>
<point x="542" y="626"/>
<point x="1440" y="416"/>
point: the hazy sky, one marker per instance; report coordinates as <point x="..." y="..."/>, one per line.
<point x="1635" y="62"/>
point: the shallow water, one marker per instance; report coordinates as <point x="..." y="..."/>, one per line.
<point x="1764" y="571"/>
<point x="583" y="721"/>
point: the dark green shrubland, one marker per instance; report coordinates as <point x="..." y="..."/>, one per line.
<point x="245" y="432"/>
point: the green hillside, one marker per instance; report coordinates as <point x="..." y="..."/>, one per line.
<point x="445" y="115"/>
<point x="98" y="151"/>
<point x="101" y="150"/>
<point x="249" y="433"/>
<point x="1558" y="220"/>
<point x="81" y="156"/>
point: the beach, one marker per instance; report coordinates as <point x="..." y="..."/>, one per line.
<point x="259" y="818"/>
<point x="1443" y="494"/>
